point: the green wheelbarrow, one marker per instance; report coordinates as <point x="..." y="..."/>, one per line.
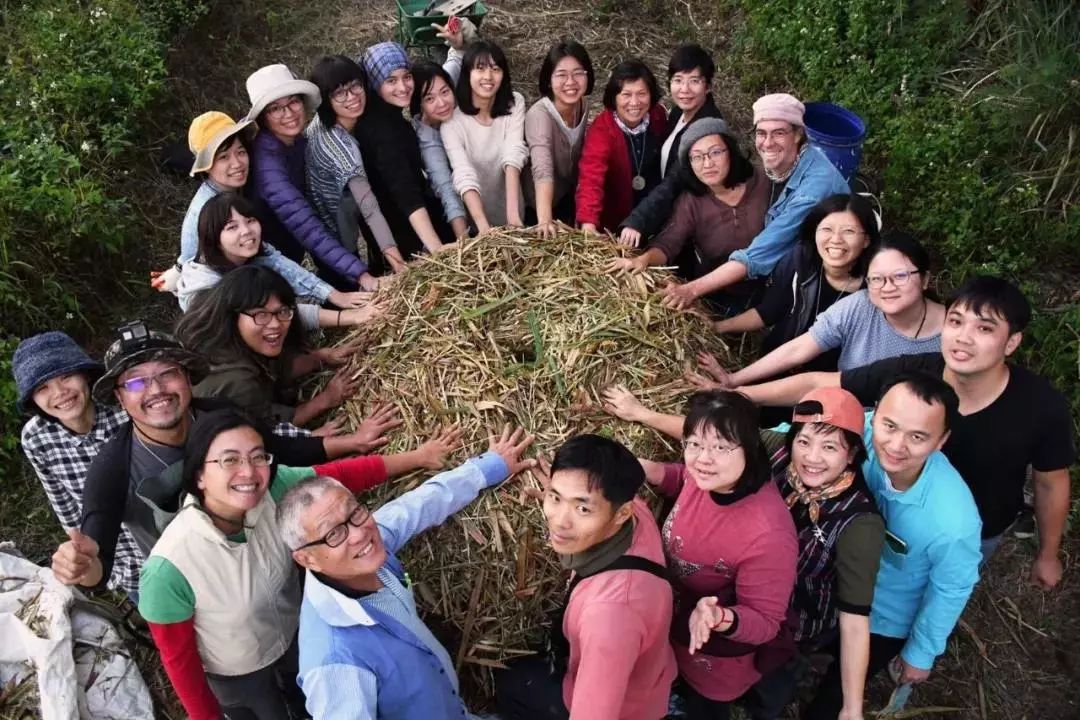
<point x="414" y="27"/>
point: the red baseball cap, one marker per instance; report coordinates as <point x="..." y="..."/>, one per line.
<point x="838" y="408"/>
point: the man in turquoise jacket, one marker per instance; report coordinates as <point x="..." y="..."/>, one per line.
<point x="930" y="562"/>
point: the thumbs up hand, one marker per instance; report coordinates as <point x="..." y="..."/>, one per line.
<point x="76" y="561"/>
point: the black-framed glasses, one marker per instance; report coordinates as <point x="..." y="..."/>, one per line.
<point x="263" y="317"/>
<point x="355" y="88"/>
<point x="233" y="461"/>
<point x="163" y="378"/>
<point x="278" y="109"/>
<point x="898" y="279"/>
<point x="340" y="532"/>
<point x="714" y="155"/>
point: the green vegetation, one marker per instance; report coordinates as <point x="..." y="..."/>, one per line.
<point x="75" y="78"/>
<point x="973" y="111"/>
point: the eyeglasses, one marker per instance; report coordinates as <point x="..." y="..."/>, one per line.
<point x="355" y="88"/>
<point x="340" y="532"/>
<point x="163" y="378"/>
<point x="233" y="461"/>
<point x="898" y="279"/>
<point x="278" y="110"/>
<point x="562" y="77"/>
<point x="263" y="317"/>
<point x="846" y="234"/>
<point x="776" y="135"/>
<point x="694" y="81"/>
<point x="714" y="155"/>
<point x="693" y="447"/>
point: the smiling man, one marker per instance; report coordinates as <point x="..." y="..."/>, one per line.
<point x="365" y="654"/>
<point x="1010" y="419"/>
<point x="930" y="562"/>
<point x="609" y="644"/>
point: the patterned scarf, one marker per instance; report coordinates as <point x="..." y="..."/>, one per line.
<point x="638" y="130"/>
<point x="775" y="177"/>
<point x="812" y="497"/>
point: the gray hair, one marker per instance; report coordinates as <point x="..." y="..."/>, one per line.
<point x="295" y="502"/>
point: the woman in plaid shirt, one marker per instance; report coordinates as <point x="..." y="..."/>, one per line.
<point x="65" y="431"/>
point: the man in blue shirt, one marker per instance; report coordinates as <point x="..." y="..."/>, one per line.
<point x="365" y="654"/>
<point x="930" y="562"/>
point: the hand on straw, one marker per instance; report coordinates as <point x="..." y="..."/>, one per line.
<point x="346" y="300"/>
<point x="432" y="454"/>
<point x="510" y="445"/>
<point x="371" y="433"/>
<point x="708" y="364"/>
<point x="340" y="388"/>
<point x="630" y="237"/>
<point x="589" y="229"/>
<point x="678" y="296"/>
<point x="707" y="614"/>
<point x="336" y="357"/>
<point x="368" y="282"/>
<point x="546" y="230"/>
<point x="622" y="403"/>
<point x="541" y="473"/>
<point x="361" y="315"/>
<point x="627" y="265"/>
<point x="330" y="428"/>
<point x="701" y="382"/>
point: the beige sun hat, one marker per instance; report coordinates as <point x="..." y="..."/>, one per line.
<point x="208" y="132"/>
<point x="274" y="82"/>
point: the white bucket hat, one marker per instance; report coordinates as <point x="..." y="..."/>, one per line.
<point x="274" y="82"/>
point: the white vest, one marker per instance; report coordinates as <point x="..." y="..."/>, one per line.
<point x="247" y="595"/>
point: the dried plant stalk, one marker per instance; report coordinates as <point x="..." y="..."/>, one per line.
<point x="510" y="328"/>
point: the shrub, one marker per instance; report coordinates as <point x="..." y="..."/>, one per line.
<point x="75" y="78"/>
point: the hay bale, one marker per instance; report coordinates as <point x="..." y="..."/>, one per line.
<point x="511" y="328"/>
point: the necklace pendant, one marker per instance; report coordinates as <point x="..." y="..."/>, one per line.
<point x="638" y="183"/>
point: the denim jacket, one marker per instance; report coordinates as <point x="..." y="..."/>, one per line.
<point x="437" y="169"/>
<point x="814" y="179"/>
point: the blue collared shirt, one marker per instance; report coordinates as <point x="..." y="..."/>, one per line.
<point x="814" y="179"/>
<point x="343" y="683"/>
<point x="930" y="562"/>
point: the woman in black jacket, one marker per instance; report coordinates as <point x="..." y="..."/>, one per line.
<point x="690" y="76"/>
<point x="828" y="263"/>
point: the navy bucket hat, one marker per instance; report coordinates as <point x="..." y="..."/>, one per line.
<point x="42" y="357"/>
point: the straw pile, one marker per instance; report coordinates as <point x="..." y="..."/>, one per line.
<point x="510" y="328"/>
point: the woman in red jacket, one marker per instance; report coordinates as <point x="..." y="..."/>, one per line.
<point x="620" y="162"/>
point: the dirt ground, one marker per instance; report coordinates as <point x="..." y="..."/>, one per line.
<point x="1017" y="654"/>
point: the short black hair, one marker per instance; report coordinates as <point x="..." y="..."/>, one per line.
<point x="690" y="56"/>
<point x="628" y="71"/>
<point x="853" y="203"/>
<point x="504" y="96"/>
<point x="424" y="73"/>
<point x="214" y="216"/>
<point x="905" y="244"/>
<point x="564" y="49"/>
<point x="740" y="168"/>
<point x="609" y="466"/>
<point x="330" y="73"/>
<point x="734" y="417"/>
<point x="930" y="389"/>
<point x="988" y="295"/>
<point x="205" y="429"/>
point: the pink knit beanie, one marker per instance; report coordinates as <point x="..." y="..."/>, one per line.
<point x="780" y="106"/>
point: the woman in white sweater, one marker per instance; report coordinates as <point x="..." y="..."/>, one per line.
<point x="485" y="139"/>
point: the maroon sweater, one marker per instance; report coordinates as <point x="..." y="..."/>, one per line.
<point x="740" y="549"/>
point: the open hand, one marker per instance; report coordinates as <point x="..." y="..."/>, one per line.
<point x="700" y="382"/>
<point x="707" y="614"/>
<point x="432" y="454"/>
<point x="629" y="237"/>
<point x="621" y="265"/>
<point x="340" y="388"/>
<point x="677" y="296"/>
<point x="622" y="403"/>
<point x="510" y="445"/>
<point x="709" y="365"/>
<point x="541" y="472"/>
<point x="330" y="428"/>
<point x="547" y="230"/>
<point x="371" y="433"/>
<point x="338" y="356"/>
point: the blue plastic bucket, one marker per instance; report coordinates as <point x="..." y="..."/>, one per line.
<point x="838" y="132"/>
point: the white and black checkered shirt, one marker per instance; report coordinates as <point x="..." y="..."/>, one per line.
<point x="61" y="458"/>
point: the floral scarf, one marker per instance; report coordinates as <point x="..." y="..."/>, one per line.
<point x="812" y="497"/>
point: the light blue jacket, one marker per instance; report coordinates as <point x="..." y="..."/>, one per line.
<point x="921" y="592"/>
<point x="303" y="282"/>
<point x="433" y="154"/>
<point x="814" y="179"/>
<point x="359" y="663"/>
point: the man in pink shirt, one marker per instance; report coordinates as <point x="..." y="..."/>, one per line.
<point x="610" y="658"/>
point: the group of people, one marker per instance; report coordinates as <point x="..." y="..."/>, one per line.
<point x="189" y="473"/>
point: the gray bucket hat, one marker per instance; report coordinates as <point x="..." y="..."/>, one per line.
<point x="138" y="344"/>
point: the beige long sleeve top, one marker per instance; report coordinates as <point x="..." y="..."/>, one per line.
<point x="479" y="155"/>
<point x="554" y="147"/>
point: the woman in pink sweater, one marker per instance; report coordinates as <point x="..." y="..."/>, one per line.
<point x="731" y="548"/>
